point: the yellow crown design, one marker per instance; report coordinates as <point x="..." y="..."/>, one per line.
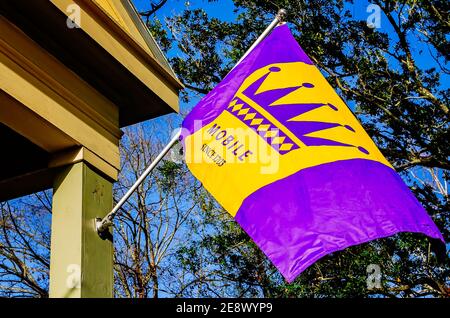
<point x="290" y="116"/>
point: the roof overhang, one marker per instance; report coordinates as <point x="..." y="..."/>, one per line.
<point x="102" y="53"/>
<point x="65" y="92"/>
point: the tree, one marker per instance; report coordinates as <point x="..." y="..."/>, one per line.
<point x="173" y="239"/>
<point x="401" y="102"/>
<point x="149" y="227"/>
<point x="147" y="233"/>
<point x="25" y="246"/>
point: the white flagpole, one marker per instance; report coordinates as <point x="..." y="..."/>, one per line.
<point x="279" y="18"/>
<point x="103" y="224"/>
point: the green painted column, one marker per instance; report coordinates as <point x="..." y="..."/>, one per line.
<point x="81" y="264"/>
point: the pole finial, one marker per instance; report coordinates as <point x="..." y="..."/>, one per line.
<point x="281" y="15"/>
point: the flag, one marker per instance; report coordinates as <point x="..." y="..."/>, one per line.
<point x="283" y="154"/>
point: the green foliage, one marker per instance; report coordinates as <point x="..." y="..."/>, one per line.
<point x="401" y="103"/>
<point x="170" y="171"/>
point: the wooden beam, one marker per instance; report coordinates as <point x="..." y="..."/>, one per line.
<point x="79" y="154"/>
<point x="111" y="36"/>
<point x="25" y="122"/>
<point x="107" y="69"/>
<point x="56" y="95"/>
<point x="81" y="264"/>
<point x="28" y="183"/>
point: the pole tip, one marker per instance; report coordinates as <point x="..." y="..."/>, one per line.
<point x="281" y="15"/>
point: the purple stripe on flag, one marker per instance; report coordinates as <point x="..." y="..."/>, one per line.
<point x="323" y="209"/>
<point x="278" y="47"/>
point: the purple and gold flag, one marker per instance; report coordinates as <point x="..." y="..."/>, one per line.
<point x="283" y="154"/>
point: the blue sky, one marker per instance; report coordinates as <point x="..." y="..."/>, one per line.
<point x="224" y="9"/>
